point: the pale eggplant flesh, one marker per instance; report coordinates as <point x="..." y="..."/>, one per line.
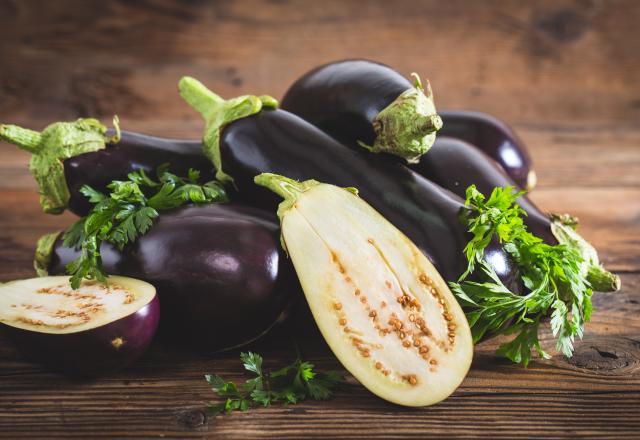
<point x="384" y="310"/>
<point x="89" y="331"/>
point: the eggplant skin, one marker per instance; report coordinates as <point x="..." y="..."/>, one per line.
<point x="344" y="97"/>
<point x="133" y="152"/>
<point x="92" y="352"/>
<point x="279" y="142"/>
<point x="455" y="165"/>
<point x="221" y="275"/>
<point x="493" y="137"/>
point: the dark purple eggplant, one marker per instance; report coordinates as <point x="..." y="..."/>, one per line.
<point x="221" y="276"/>
<point x="85" y="332"/>
<point x="69" y="155"/>
<point x="455" y="165"/>
<point x="346" y="98"/>
<point x="276" y="141"/>
<point x="496" y="139"/>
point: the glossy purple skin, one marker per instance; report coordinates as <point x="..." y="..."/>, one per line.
<point x="133" y="152"/>
<point x="92" y="352"/>
<point x="455" y="165"/>
<point x="343" y="98"/>
<point x="220" y="272"/>
<point x="279" y="142"/>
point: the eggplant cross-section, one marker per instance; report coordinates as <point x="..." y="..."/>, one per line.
<point x="384" y="310"/>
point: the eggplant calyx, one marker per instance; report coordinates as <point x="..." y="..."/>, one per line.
<point x="44" y="250"/>
<point x="217" y="113"/>
<point x="49" y="148"/>
<point x="407" y="127"/>
<point x="563" y="228"/>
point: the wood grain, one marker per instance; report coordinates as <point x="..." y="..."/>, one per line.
<point x="564" y="73"/>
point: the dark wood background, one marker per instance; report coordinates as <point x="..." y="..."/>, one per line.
<point x="563" y="73"/>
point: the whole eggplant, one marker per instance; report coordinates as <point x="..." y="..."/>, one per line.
<point x="221" y="275"/>
<point x="345" y="98"/>
<point x="276" y="141"/>
<point x="69" y="155"/>
<point x="455" y="165"/>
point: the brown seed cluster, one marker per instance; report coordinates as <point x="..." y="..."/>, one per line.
<point x="424" y="279"/>
<point x="411" y="378"/>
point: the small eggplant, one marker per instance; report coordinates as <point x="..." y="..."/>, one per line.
<point x="280" y="142"/>
<point x="384" y="310"/>
<point x="219" y="271"/>
<point x="93" y="330"/>
<point x="455" y="165"/>
<point x="68" y="155"/>
<point x="361" y="102"/>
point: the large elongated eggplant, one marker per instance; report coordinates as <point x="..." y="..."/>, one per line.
<point x="280" y="142"/>
<point x="69" y="155"/>
<point x="455" y="165"/>
<point x="220" y="273"/>
<point x="348" y="99"/>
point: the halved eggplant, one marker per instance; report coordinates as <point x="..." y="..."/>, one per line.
<point x="89" y="331"/>
<point x="380" y="304"/>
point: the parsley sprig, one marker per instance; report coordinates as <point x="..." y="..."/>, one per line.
<point x="128" y="212"/>
<point x="554" y="276"/>
<point x="288" y="385"/>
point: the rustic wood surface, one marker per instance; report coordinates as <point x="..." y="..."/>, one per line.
<point x="564" y="73"/>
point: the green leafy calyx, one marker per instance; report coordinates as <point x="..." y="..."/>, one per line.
<point x="49" y="148"/>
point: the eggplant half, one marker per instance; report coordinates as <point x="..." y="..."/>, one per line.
<point x="384" y="310"/>
<point x="68" y="155"/>
<point x="93" y="330"/>
<point x="351" y="101"/>
<point x="279" y="142"/>
<point x="455" y="165"/>
<point x="220" y="273"/>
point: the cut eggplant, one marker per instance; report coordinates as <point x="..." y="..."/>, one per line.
<point x="92" y="330"/>
<point x="382" y="307"/>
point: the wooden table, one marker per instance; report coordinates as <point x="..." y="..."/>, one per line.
<point x="565" y="74"/>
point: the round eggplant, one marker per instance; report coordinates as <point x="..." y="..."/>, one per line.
<point x="455" y="165"/>
<point x="219" y="270"/>
<point x="279" y="142"/>
<point x="68" y="155"/>
<point x="93" y="330"/>
<point x="348" y="99"/>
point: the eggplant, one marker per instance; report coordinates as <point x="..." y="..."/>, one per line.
<point x="68" y="155"/>
<point x="93" y="330"/>
<point x="220" y="273"/>
<point x="383" y="309"/>
<point x="280" y="142"/>
<point x="347" y="98"/>
<point x="455" y="165"/>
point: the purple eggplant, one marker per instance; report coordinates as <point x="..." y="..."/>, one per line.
<point x="455" y="165"/>
<point x="347" y="99"/>
<point x="69" y="155"/>
<point x="276" y="141"/>
<point x="221" y="275"/>
<point x="85" y="332"/>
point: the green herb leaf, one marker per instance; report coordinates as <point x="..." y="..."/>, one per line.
<point x="287" y="385"/>
<point x="553" y="275"/>
<point x="128" y="212"/>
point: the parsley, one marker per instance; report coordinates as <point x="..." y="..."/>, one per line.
<point x="555" y="277"/>
<point x="288" y="385"/>
<point x="128" y="212"/>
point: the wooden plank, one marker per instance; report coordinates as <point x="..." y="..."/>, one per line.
<point x="539" y="62"/>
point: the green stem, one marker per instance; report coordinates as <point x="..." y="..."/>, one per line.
<point x="25" y="139"/>
<point x="57" y="142"/>
<point x="217" y="113"/>
<point x="407" y="127"/>
<point x="44" y="250"/>
<point x="563" y="228"/>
